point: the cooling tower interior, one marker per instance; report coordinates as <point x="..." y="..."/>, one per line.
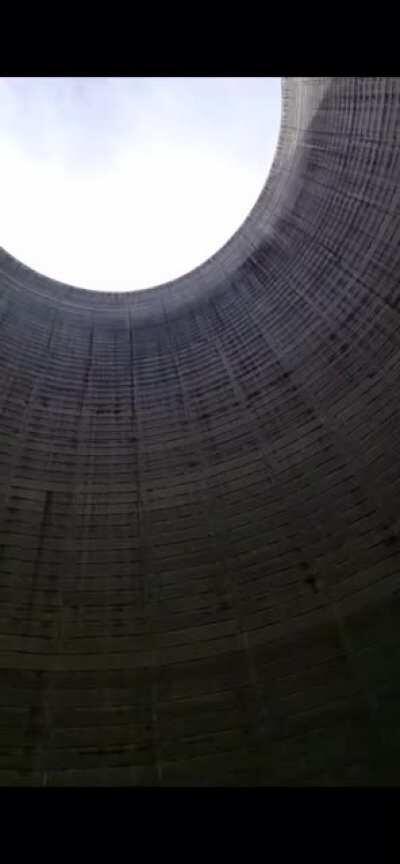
<point x="200" y="485"/>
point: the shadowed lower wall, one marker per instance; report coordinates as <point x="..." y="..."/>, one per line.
<point x="200" y="485"/>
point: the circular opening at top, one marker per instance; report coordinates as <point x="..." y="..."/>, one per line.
<point x="119" y="184"/>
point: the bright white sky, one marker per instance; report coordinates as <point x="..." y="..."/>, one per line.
<point x="120" y="184"/>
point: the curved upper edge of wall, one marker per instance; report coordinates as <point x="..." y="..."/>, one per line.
<point x="299" y="103"/>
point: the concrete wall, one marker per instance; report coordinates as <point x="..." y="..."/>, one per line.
<point x="199" y="507"/>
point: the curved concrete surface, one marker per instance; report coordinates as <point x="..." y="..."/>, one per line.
<point x="199" y="509"/>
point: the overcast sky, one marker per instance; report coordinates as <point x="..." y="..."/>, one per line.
<point x="123" y="183"/>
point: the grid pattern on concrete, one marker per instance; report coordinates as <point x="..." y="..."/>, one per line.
<point x="200" y="483"/>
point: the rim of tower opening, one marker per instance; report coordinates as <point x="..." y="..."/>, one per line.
<point x="214" y="268"/>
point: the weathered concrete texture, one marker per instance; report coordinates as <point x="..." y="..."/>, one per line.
<point x="199" y="514"/>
